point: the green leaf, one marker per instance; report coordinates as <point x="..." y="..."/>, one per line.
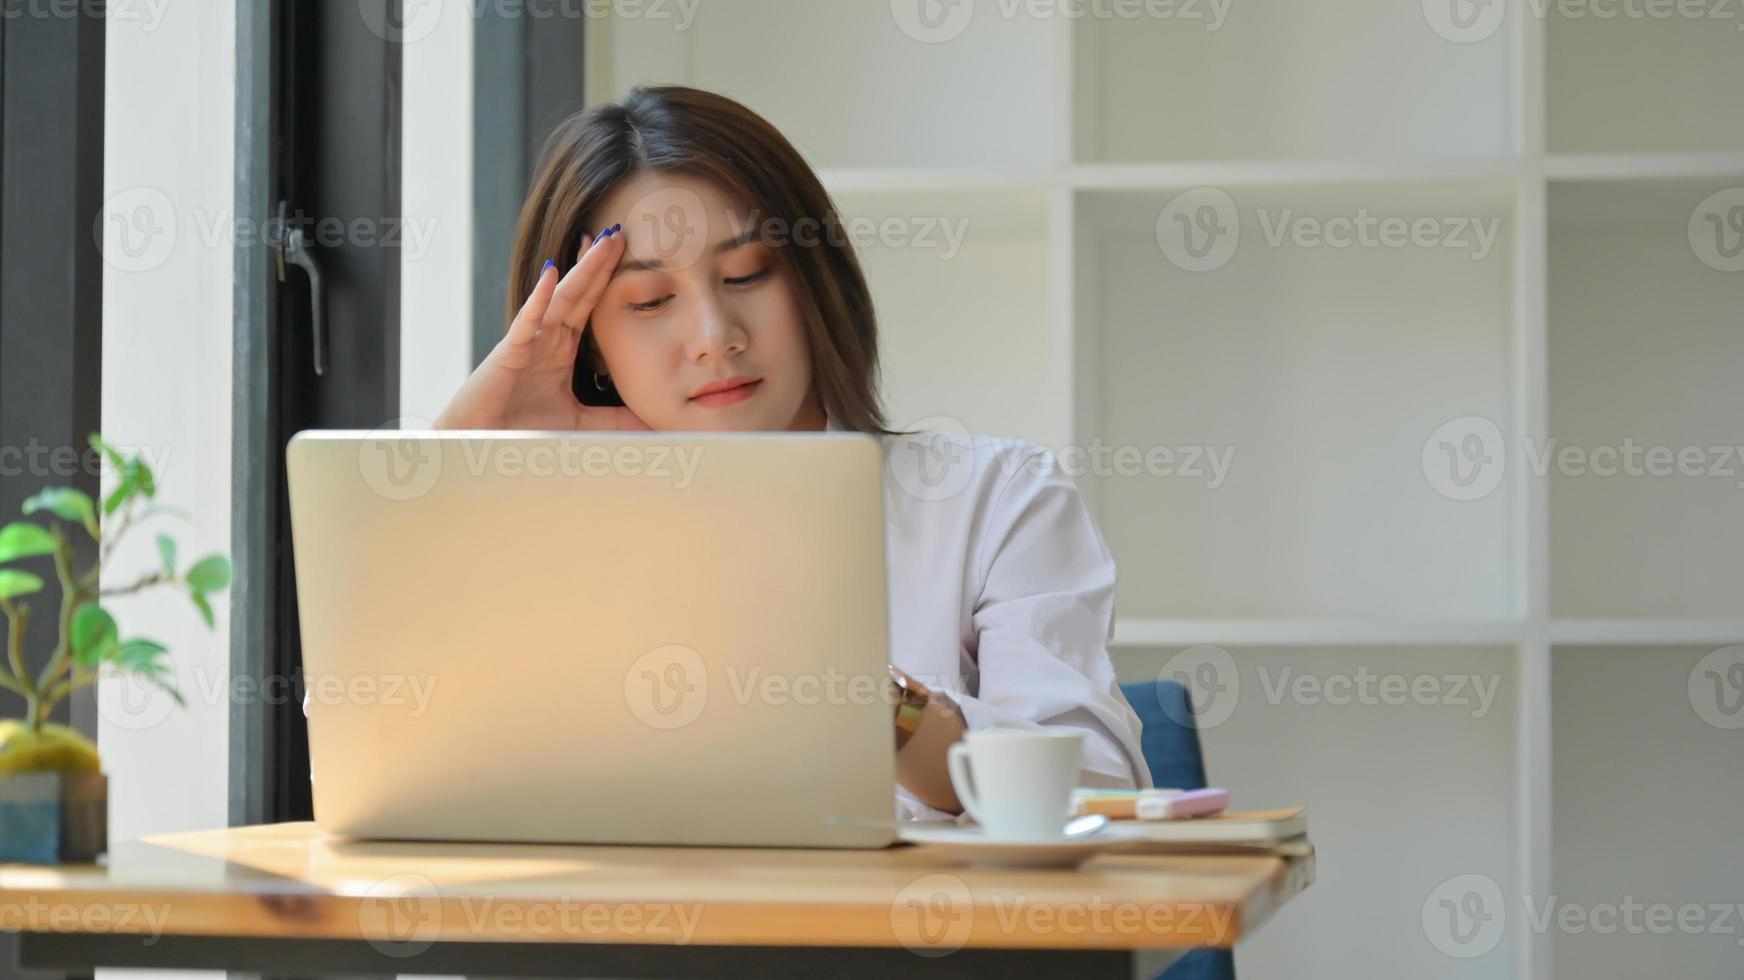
<point x="119" y="496"/>
<point x="158" y="676"/>
<point x="93" y="635"/>
<point x="125" y="488"/>
<point x="67" y="504"/>
<point x="156" y="509"/>
<point x="147" y="479"/>
<point x="209" y="574"/>
<point x="127" y="478"/>
<point x="136" y="652"/>
<point x="14" y="583"/>
<point x="115" y="458"/>
<point x="21" y="539"/>
<point x="204" y="607"/>
<point x="166" y="550"/>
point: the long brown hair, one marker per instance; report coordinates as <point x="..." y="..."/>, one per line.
<point x="679" y="130"/>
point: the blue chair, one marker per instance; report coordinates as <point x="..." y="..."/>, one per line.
<point x="1171" y="749"/>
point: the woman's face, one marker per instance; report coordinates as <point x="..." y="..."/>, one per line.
<point x="697" y="300"/>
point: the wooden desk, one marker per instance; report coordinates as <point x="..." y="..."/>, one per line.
<point x="287" y="899"/>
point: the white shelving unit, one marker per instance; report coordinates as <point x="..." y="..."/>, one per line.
<point x="1075" y="314"/>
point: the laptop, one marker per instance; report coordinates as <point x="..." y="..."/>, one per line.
<point x="595" y="637"/>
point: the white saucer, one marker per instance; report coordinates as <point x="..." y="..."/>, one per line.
<point x="971" y="845"/>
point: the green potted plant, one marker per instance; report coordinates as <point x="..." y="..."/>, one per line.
<point x="53" y="794"/>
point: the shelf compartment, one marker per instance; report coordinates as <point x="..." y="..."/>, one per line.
<point x="1646" y="792"/>
<point x="1285" y="355"/>
<point x="1643" y="84"/>
<point x="964" y="327"/>
<point x="1286" y="79"/>
<point x="1644" y="348"/>
<point x="873" y="93"/>
<point x="1438" y="768"/>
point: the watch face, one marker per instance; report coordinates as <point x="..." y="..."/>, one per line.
<point x="908" y="718"/>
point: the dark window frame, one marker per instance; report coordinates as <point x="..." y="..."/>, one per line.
<point x="51" y="289"/>
<point x="51" y="279"/>
<point x="528" y="75"/>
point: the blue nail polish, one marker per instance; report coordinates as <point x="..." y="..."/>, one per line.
<point x="616" y="227"/>
<point x="548" y="264"/>
<point x="607" y="233"/>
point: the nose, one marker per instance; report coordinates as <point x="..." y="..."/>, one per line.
<point x="717" y="334"/>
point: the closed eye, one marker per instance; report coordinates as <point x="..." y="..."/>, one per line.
<point x="655" y="304"/>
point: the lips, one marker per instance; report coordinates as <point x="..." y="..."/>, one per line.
<point x="727" y="391"/>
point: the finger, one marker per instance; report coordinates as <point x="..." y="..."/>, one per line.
<point x="559" y="342"/>
<point x="532" y="312"/>
<point x="567" y="349"/>
<point x="580" y="290"/>
<point x="586" y="243"/>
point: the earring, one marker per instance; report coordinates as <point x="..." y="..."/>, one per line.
<point x="596" y="382"/>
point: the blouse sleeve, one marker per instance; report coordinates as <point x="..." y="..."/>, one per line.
<point x="1044" y="618"/>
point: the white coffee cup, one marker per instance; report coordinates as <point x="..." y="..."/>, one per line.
<point x="1017" y="783"/>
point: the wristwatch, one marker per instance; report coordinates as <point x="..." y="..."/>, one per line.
<point x="910" y="697"/>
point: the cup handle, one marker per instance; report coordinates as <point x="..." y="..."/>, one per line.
<point x="957" y="765"/>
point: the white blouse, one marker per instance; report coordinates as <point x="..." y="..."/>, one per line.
<point x="1002" y="595"/>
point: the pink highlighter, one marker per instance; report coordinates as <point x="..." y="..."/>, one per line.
<point x="1192" y="803"/>
<point x="1150" y="804"/>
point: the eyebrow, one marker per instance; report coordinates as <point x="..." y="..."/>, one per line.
<point x="645" y="265"/>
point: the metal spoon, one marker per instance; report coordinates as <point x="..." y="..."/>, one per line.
<point x="1085" y="825"/>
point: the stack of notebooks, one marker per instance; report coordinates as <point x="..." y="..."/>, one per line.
<point x="1282" y="831"/>
<point x="1195" y="821"/>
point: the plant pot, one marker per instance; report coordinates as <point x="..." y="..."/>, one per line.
<point x="54" y="817"/>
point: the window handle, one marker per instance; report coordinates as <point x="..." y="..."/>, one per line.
<point x="294" y="248"/>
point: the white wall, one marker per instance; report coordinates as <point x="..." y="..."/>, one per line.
<point x="436" y="197"/>
<point x="436" y="194"/>
<point x="167" y="350"/>
<point x="168" y="166"/>
<point x="167" y="353"/>
<point x="168" y="169"/>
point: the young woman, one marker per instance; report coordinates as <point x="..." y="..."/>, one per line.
<point x="678" y="266"/>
